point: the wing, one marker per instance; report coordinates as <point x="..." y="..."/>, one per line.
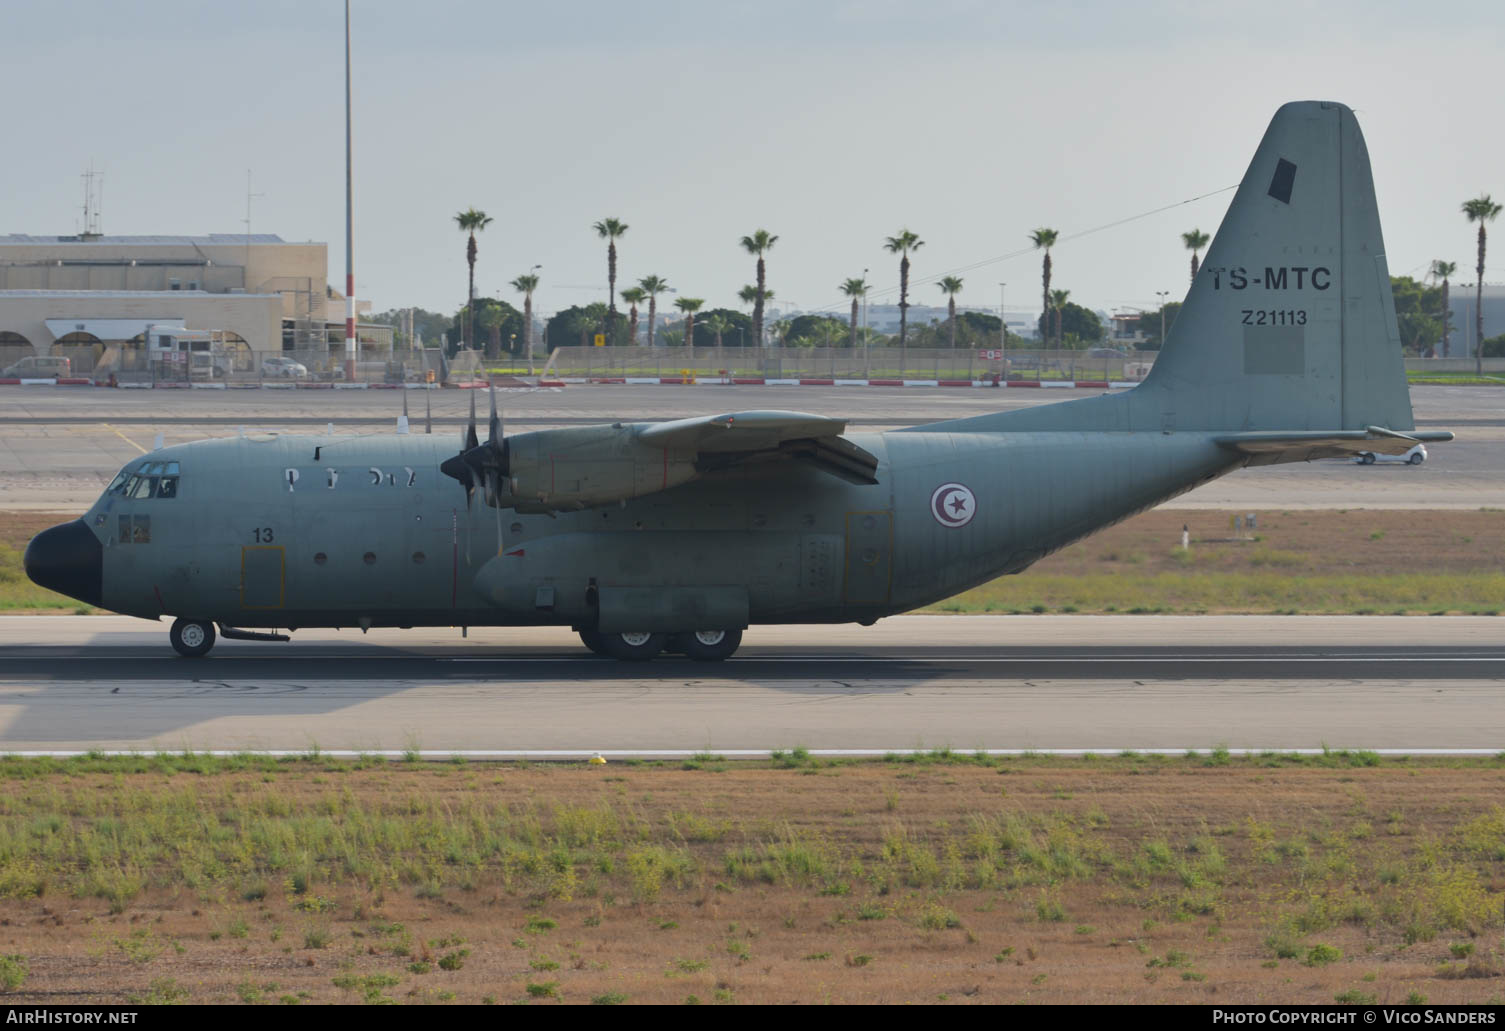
<point x="1270" y="447"/>
<point x="722" y="441"/>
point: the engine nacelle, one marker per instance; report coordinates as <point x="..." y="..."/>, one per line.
<point x="580" y="467"/>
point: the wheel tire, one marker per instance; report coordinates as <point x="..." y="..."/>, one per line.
<point x="1368" y="458"/>
<point x="711" y="645"/>
<point x="634" y="646"/>
<point x="1415" y="460"/>
<point x="191" y="638"/>
<point x="595" y="641"/>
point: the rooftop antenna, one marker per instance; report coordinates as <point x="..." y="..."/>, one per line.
<point x="245" y="276"/>
<point x="92" y="202"/>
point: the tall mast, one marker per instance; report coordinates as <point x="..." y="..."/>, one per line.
<point x="349" y="223"/>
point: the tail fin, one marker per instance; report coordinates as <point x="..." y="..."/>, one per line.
<point x="1290" y="324"/>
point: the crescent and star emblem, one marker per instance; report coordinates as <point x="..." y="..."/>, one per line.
<point x="953" y="504"/>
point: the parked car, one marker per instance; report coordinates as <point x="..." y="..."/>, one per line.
<point x="280" y="366"/>
<point x="39" y="367"/>
<point x="1104" y="352"/>
<point x="1415" y="456"/>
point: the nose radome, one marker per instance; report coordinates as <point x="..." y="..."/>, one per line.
<point x="69" y="559"/>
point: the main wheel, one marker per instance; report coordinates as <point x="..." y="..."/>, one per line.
<point x="191" y="638"/>
<point x="1368" y="457"/>
<point x="634" y="646"/>
<point x="1415" y="459"/>
<point x="595" y="641"/>
<point x="711" y="645"/>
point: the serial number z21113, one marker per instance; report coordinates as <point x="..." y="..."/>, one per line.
<point x="1255" y="317"/>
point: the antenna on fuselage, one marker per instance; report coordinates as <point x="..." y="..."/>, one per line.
<point x="157" y="443"/>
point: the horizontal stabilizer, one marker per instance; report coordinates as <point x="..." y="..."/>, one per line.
<point x="1271" y="447"/>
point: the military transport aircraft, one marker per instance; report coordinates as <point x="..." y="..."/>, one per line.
<point x="679" y="535"/>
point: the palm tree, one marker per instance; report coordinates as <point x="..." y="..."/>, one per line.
<point x="471" y="221"/>
<point x="653" y="286"/>
<point x="689" y="305"/>
<point x="854" y="288"/>
<point x="717" y="324"/>
<point x="749" y="295"/>
<point x="1044" y="239"/>
<point x="1481" y="209"/>
<point x="1195" y="241"/>
<point x="902" y="245"/>
<point x="1443" y="270"/>
<point x="759" y="243"/>
<point x="1058" y="302"/>
<point x="609" y="229"/>
<point x="951" y="286"/>
<point x="634" y="296"/>
<point x="525" y="285"/>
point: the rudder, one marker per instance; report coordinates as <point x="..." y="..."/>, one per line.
<point x="1290" y="323"/>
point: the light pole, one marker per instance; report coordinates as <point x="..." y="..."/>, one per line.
<point x="1162" y="295"/>
<point x="1003" y="329"/>
<point x="867" y="364"/>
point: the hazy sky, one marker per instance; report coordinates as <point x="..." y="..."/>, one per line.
<point x="831" y="124"/>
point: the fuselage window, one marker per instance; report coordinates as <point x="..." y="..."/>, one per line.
<point x="125" y="529"/>
<point x="167" y="487"/>
<point x="141" y="530"/>
<point x="140" y="487"/>
<point x="119" y="482"/>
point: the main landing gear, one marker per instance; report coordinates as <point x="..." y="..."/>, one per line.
<point x="191" y="638"/>
<point x="640" y="646"/>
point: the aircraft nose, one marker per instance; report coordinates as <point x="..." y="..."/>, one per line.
<point x="69" y="559"/>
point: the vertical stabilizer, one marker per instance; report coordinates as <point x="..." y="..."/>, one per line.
<point x="1290" y="324"/>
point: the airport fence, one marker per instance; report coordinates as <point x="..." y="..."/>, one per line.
<point x="840" y="363"/>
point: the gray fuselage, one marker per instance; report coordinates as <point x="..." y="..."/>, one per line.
<point x="372" y="534"/>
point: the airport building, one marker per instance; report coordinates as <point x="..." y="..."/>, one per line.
<point x="79" y="296"/>
<point x="1461" y="305"/>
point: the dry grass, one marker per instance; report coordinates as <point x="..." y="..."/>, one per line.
<point x="945" y="879"/>
<point x="1313" y="561"/>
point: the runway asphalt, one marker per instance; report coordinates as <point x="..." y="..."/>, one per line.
<point x="1027" y="682"/>
<point x="60" y="446"/>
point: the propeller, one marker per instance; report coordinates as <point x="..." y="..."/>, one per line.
<point x="457" y="466"/>
<point x="487" y="463"/>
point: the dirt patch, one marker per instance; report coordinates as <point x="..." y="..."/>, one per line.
<point x="1307" y="542"/>
<point x="1125" y="880"/>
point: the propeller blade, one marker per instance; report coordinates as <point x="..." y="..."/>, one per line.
<point x="494" y="427"/>
<point x="428" y="412"/>
<point x="470" y="432"/>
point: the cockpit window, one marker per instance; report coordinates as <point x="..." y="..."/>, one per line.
<point x="147" y="480"/>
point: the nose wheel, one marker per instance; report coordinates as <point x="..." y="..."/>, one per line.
<point x="191" y="638"/>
